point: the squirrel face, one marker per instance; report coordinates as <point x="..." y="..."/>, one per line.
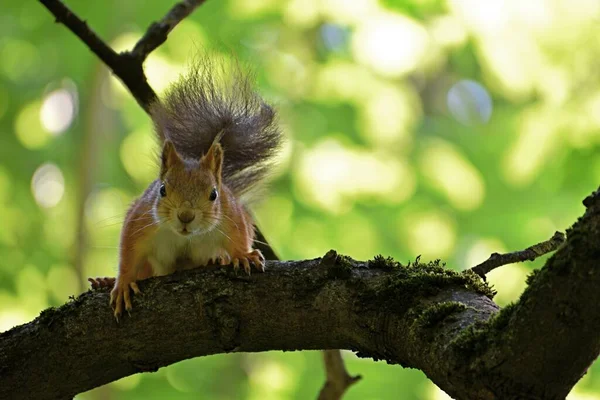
<point x="188" y="198"/>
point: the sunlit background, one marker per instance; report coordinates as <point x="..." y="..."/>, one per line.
<point x="446" y="128"/>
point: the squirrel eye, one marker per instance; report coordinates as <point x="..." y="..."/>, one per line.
<point x="213" y="195"/>
<point x="163" y="190"/>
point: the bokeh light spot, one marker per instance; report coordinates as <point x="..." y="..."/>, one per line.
<point x="431" y="234"/>
<point x="469" y="102"/>
<point x="136" y="155"/>
<point x="4" y="97"/>
<point x="28" y="127"/>
<point x="538" y="138"/>
<point x="272" y="376"/>
<point x="48" y="185"/>
<point x="62" y="282"/>
<point x="389" y="114"/>
<point x="332" y="176"/>
<point x="30" y="280"/>
<point x="447" y="170"/>
<point x="19" y="59"/>
<point x="391" y="44"/>
<point x="58" y="111"/>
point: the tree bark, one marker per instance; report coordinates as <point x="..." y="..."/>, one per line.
<point x="419" y="316"/>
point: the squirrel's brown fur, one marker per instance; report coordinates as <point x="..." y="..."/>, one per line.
<point x="212" y="98"/>
<point x="219" y="138"/>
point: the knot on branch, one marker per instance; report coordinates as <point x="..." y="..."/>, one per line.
<point x="592" y="199"/>
<point x="338" y="266"/>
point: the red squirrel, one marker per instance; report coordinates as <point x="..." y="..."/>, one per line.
<point x="218" y="140"/>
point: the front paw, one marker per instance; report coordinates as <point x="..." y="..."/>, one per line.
<point x="121" y="296"/>
<point x="255" y="256"/>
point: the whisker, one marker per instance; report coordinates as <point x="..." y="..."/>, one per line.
<point x="147" y="226"/>
<point x="109" y="225"/>
<point x="229" y="218"/>
<point x="224" y="234"/>
<point x="109" y="219"/>
<point x="261" y="242"/>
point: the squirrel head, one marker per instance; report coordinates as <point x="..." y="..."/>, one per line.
<point x="189" y="194"/>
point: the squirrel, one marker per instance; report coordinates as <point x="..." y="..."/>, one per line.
<point x="218" y="140"/>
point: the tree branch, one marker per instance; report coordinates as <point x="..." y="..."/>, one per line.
<point x="304" y="305"/>
<point x="420" y="316"/>
<point x="127" y="67"/>
<point x="157" y="32"/>
<point x="529" y="254"/>
<point x="338" y="380"/>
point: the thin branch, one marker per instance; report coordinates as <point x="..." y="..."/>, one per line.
<point x="338" y="379"/>
<point x="157" y="32"/>
<point x="529" y="254"/>
<point x="127" y="66"/>
<point x="80" y="28"/>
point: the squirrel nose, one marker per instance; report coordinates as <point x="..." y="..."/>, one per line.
<point x="186" y="216"/>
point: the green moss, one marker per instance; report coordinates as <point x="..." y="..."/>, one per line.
<point x="47" y="316"/>
<point x="500" y="321"/>
<point x="380" y="262"/>
<point x="340" y="266"/>
<point x="406" y="284"/>
<point x="531" y="277"/>
<point x="480" y="335"/>
<point x="438" y="313"/>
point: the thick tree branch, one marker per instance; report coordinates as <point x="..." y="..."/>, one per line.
<point x="529" y="254"/>
<point x="419" y="316"/>
<point x="293" y="306"/>
<point x="545" y="342"/>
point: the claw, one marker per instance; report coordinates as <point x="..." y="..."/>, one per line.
<point x="135" y="288"/>
<point x="121" y="295"/>
<point x="236" y="264"/>
<point x="225" y="259"/>
<point x="246" y="264"/>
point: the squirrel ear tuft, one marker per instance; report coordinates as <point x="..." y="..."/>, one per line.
<point x="169" y="157"/>
<point x="213" y="160"/>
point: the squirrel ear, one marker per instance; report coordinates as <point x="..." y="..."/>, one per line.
<point x="213" y="160"/>
<point x="169" y="157"/>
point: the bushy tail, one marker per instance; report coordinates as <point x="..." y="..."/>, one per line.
<point x="216" y="97"/>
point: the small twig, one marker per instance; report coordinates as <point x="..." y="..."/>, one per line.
<point x="338" y="379"/>
<point x="529" y="254"/>
<point x="157" y="32"/>
<point x="127" y="66"/>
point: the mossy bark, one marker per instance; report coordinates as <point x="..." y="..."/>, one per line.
<point x="419" y="316"/>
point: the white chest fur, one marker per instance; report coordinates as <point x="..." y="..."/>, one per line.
<point x="171" y="251"/>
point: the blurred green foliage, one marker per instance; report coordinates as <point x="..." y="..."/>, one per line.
<point x="446" y="128"/>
